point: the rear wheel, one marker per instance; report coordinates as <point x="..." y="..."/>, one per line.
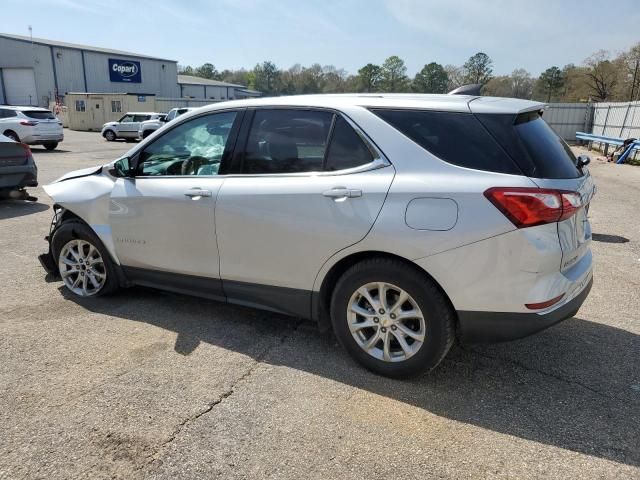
<point x="12" y="135"/>
<point x="110" y="135"/>
<point x="392" y="318"/>
<point x="83" y="262"/>
<point x="50" y="145"/>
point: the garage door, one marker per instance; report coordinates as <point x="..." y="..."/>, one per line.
<point x="19" y="86"/>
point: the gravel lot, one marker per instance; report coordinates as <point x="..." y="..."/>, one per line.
<point x="147" y="384"/>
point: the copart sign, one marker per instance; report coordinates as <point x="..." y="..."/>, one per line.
<point x="124" y="71"/>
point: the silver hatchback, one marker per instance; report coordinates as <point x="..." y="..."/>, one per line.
<point x="399" y="221"/>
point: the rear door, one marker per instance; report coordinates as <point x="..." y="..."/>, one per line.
<point x="306" y="185"/>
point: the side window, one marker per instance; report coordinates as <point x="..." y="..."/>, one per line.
<point x="456" y="138"/>
<point x="287" y="141"/>
<point x="126" y="119"/>
<point x="347" y="149"/>
<point x="195" y="147"/>
<point x="141" y="118"/>
<point x="3" y="113"/>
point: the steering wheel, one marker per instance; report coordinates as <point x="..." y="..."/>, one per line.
<point x="191" y="165"/>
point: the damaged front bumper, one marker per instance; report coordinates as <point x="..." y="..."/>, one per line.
<point x="46" y="259"/>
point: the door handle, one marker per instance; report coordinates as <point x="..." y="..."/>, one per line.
<point x="197" y="192"/>
<point x="342" y="193"/>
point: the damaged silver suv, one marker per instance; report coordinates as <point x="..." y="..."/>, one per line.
<point x="400" y="221"/>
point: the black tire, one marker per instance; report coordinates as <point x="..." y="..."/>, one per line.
<point x="12" y="135"/>
<point x="436" y="309"/>
<point x="146" y="133"/>
<point x="74" y="229"/>
<point x="110" y="136"/>
<point x="51" y="145"/>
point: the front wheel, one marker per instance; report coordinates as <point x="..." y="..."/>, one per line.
<point x="83" y="262"/>
<point x="110" y="136"/>
<point x="392" y="318"/>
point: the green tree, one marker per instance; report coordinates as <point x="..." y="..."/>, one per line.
<point x="266" y="78"/>
<point x="478" y="69"/>
<point x="431" y="79"/>
<point x="369" y="77"/>
<point x="455" y="75"/>
<point x="550" y="82"/>
<point x="394" y="75"/>
<point x="207" y="70"/>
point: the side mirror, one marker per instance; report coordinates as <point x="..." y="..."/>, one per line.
<point x="583" y="161"/>
<point x="122" y="168"/>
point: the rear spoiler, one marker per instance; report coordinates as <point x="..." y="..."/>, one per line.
<point x="471" y="89"/>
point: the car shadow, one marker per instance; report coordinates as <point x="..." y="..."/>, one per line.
<point x="18" y="208"/>
<point x="47" y="152"/>
<point x="606" y="238"/>
<point x="575" y="386"/>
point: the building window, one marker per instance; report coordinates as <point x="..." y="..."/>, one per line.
<point x="116" y="106"/>
<point x="80" y="106"/>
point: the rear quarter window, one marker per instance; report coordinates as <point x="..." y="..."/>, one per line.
<point x="455" y="137"/>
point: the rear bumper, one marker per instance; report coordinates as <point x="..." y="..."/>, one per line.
<point x="39" y="139"/>
<point x="18" y="176"/>
<point x="493" y="327"/>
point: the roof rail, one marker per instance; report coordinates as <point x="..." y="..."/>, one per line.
<point x="471" y="89"/>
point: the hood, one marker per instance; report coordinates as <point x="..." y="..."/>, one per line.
<point x="84" y="172"/>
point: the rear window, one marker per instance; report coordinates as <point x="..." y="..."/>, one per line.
<point x="39" y="114"/>
<point x="457" y="138"/>
<point x="531" y="142"/>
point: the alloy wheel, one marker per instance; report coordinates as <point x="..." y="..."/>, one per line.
<point x="82" y="268"/>
<point x="386" y="322"/>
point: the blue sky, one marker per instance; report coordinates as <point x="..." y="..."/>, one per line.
<point x="533" y="34"/>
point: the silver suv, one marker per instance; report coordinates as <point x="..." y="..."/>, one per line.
<point x="31" y="126"/>
<point x="401" y="221"/>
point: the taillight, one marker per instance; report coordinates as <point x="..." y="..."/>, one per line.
<point x="528" y="207"/>
<point x="27" y="151"/>
<point x="28" y="123"/>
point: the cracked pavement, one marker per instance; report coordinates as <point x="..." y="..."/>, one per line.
<point x="147" y="384"/>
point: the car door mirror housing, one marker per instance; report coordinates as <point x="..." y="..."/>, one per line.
<point x="583" y="161"/>
<point x="122" y="168"/>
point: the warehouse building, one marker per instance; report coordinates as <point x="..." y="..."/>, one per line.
<point x="37" y="71"/>
<point x="196" y="87"/>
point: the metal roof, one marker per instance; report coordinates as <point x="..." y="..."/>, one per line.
<point x="76" y="46"/>
<point x="191" y="80"/>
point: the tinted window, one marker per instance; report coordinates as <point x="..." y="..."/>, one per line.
<point x="39" y="115"/>
<point x="194" y="148"/>
<point x="141" y="118"/>
<point x="347" y="150"/>
<point x="457" y="138"/>
<point x="539" y="151"/>
<point x="286" y="141"/>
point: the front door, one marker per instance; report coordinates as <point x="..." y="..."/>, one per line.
<point x="163" y="219"/>
<point x="308" y="186"/>
<point x="97" y="111"/>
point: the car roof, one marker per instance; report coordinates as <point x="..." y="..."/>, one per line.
<point x="23" y="108"/>
<point x="452" y="103"/>
<point x="143" y="113"/>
